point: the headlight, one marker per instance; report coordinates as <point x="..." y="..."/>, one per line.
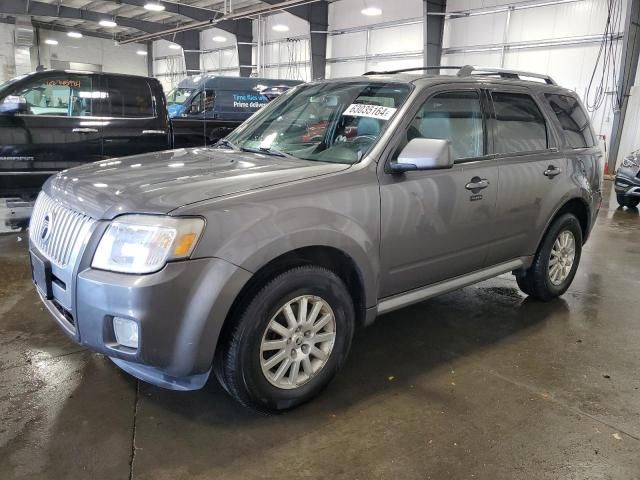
<point x="630" y="162"/>
<point x="145" y="243"/>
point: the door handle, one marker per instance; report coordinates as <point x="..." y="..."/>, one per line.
<point x="153" y="132"/>
<point x="477" y="183"/>
<point x="85" y="130"/>
<point x="552" y="171"/>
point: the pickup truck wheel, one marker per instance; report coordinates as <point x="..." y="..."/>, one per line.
<point x="289" y="342"/>
<point x="556" y="262"/>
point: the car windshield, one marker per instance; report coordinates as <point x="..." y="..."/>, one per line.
<point x="331" y="122"/>
<point x="178" y="95"/>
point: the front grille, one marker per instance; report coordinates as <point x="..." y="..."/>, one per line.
<point x="57" y="230"/>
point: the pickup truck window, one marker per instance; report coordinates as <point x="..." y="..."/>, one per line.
<point x="129" y="98"/>
<point x="329" y="122"/>
<point x="60" y="96"/>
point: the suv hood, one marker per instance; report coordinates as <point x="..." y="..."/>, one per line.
<point x="163" y="181"/>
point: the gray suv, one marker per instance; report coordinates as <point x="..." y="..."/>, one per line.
<point x="258" y="258"/>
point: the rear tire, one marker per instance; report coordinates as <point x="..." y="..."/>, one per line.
<point x="556" y="261"/>
<point x="289" y="342"/>
<point x="628" y="202"/>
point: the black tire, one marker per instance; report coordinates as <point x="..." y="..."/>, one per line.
<point x="628" y="202"/>
<point x="238" y="357"/>
<point x="536" y="281"/>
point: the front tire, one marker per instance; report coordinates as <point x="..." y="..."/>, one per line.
<point x="289" y="342"/>
<point x="628" y="202"/>
<point x="556" y="261"/>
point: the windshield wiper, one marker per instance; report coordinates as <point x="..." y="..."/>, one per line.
<point x="268" y="151"/>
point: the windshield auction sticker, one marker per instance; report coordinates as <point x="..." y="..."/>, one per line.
<point x="371" y="111"/>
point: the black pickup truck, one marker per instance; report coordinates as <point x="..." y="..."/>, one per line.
<point x="52" y="120"/>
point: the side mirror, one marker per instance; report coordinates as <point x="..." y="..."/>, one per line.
<point x="424" y="154"/>
<point x="14" y="104"/>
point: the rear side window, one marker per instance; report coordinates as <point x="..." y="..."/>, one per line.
<point x="573" y="120"/>
<point x="129" y="98"/>
<point x="519" y="126"/>
<point x="64" y="95"/>
<point x="454" y="116"/>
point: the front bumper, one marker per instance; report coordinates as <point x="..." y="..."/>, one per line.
<point x="179" y="310"/>
<point x="627" y="184"/>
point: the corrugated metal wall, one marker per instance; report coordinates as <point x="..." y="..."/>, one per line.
<point x="556" y="38"/>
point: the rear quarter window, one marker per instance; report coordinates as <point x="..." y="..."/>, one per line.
<point x="129" y="98"/>
<point x="573" y="120"/>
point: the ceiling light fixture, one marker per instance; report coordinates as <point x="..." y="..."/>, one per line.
<point x="280" y="28"/>
<point x="107" y="23"/>
<point x="154" y="6"/>
<point x="219" y="38"/>
<point x="74" y="34"/>
<point x="175" y="46"/>
<point x="371" y="11"/>
<point x="51" y="41"/>
<point x="141" y="52"/>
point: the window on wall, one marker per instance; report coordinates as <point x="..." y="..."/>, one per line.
<point x="520" y="125"/>
<point x="573" y="120"/>
<point x="62" y="96"/>
<point x="453" y="116"/>
<point x="129" y="98"/>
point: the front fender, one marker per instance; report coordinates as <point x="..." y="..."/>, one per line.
<point x="252" y="235"/>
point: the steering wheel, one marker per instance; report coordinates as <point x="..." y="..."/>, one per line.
<point x="363" y="139"/>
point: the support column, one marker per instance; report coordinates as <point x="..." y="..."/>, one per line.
<point x="434" y="11"/>
<point x="630" y="52"/>
<point x="150" y="59"/>
<point x="318" y="26"/>
<point x="244" y="39"/>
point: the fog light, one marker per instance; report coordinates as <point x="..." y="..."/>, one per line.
<point x="126" y="332"/>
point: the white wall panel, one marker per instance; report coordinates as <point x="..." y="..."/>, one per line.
<point x="586" y="17"/>
<point x="346" y="13"/>
<point x="393" y="35"/>
<point x="345" y="69"/>
<point x="91" y="50"/>
<point x="396" y="39"/>
<point x="478" y="30"/>
<point x="570" y="65"/>
<point x="491" y="59"/>
<point x="284" y="54"/>
<point x="346" y="45"/>
<point x="7" y="60"/>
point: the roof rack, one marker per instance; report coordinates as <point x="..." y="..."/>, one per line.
<point x="414" y="69"/>
<point x="469" y="70"/>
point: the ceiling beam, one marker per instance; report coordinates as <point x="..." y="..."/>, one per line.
<point x="305" y="12"/>
<point x="188" y="11"/>
<point x="41" y="9"/>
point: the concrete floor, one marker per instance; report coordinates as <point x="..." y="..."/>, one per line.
<point x="481" y="383"/>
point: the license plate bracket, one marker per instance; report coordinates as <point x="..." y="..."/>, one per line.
<point x="41" y="275"/>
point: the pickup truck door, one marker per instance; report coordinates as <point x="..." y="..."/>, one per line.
<point x="135" y="120"/>
<point x="437" y="224"/>
<point x="52" y="127"/>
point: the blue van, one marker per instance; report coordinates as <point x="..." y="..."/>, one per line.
<point x="217" y="105"/>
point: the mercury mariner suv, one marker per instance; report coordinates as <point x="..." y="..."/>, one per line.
<point x="256" y="259"/>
